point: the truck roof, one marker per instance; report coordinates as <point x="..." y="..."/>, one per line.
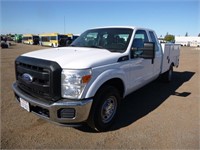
<point x="130" y="27"/>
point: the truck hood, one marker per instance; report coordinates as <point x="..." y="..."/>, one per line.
<point x="76" y="57"/>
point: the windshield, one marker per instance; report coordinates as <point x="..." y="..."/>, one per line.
<point x="112" y="39"/>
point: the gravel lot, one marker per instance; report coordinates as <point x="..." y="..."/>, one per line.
<point x="157" y="116"/>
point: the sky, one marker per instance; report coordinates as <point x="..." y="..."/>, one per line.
<point x="174" y="17"/>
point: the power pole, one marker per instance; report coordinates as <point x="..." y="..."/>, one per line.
<point x="64" y="24"/>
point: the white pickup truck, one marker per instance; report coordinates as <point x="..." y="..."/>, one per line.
<point x="86" y="81"/>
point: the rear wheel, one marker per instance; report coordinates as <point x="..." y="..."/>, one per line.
<point x="168" y="75"/>
<point x="104" y="109"/>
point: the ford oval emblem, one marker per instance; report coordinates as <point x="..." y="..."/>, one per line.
<point x="27" y="77"/>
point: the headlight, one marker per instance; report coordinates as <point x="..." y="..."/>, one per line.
<point x="73" y="82"/>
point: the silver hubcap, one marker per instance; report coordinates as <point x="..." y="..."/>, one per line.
<point x="108" y="109"/>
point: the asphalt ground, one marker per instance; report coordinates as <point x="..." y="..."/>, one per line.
<point x="158" y="116"/>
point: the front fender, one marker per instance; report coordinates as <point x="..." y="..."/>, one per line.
<point x="104" y="77"/>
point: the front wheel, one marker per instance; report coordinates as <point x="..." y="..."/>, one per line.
<point x="104" y="109"/>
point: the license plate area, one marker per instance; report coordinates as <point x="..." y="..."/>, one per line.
<point x="24" y="104"/>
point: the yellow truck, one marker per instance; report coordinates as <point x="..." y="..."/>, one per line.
<point x="53" y="39"/>
<point x="30" y="39"/>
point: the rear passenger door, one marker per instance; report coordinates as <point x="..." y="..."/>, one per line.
<point x="141" y="69"/>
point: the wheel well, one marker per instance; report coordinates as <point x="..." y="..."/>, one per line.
<point x="172" y="64"/>
<point x="117" y="83"/>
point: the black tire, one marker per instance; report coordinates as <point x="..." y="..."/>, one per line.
<point x="167" y="76"/>
<point x="4" y="45"/>
<point x="104" y="109"/>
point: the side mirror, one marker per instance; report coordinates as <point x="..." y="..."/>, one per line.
<point x="142" y="49"/>
<point x="149" y="50"/>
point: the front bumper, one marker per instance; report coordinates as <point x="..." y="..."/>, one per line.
<point x="51" y="110"/>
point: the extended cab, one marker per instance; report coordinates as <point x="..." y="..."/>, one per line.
<point x="86" y="81"/>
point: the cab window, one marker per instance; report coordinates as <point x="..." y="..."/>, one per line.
<point x="138" y="43"/>
<point x="153" y="39"/>
<point x="141" y="34"/>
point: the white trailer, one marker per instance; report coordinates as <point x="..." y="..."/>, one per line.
<point x="193" y="41"/>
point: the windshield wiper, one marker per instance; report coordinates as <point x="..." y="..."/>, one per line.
<point x="72" y="45"/>
<point x="94" y="46"/>
<point x="100" y="47"/>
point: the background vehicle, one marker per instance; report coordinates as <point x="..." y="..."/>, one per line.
<point x="53" y="39"/>
<point x="30" y="39"/>
<point x="4" y="42"/>
<point x="87" y="81"/>
<point x="192" y="41"/>
<point x="18" y="38"/>
<point x="71" y="38"/>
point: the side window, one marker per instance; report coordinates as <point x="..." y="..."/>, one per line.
<point x="153" y="38"/>
<point x="141" y="34"/>
<point x="138" y="44"/>
<point x="53" y="37"/>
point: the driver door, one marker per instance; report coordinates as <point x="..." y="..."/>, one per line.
<point x="141" y="68"/>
